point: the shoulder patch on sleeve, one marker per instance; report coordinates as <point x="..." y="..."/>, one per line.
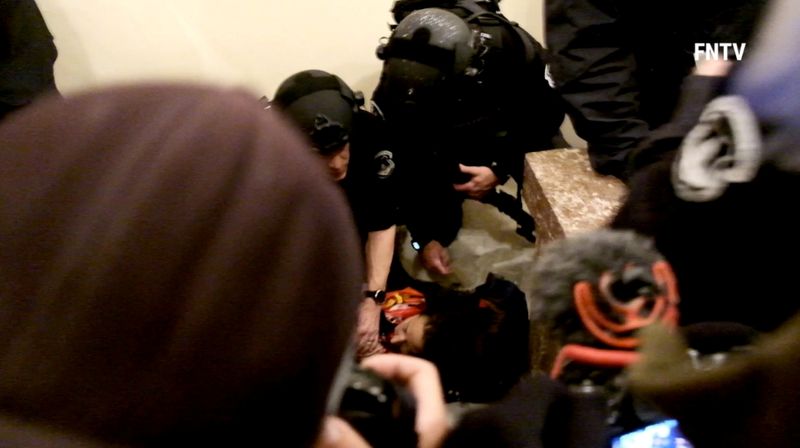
<point x="384" y="164"/>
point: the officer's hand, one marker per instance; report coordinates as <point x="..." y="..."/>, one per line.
<point x="483" y="181"/>
<point x="369" y="316"/>
<point x="435" y="258"/>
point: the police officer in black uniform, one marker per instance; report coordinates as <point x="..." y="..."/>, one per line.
<point x="464" y="94"/>
<point x="349" y="138"/>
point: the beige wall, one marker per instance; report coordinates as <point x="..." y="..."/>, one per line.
<point x="251" y="43"/>
<point x="254" y="44"/>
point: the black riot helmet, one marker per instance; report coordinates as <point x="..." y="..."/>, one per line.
<point x="322" y="105"/>
<point x="402" y="8"/>
<point x="428" y="47"/>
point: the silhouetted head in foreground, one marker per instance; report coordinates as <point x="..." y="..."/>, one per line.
<point x="175" y="270"/>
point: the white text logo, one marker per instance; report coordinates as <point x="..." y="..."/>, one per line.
<point x="718" y="51"/>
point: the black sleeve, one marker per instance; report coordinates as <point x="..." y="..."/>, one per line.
<point x="593" y="68"/>
<point x="382" y="212"/>
<point x="543" y="109"/>
<point x="533" y="110"/>
<point x="535" y="127"/>
<point x="430" y="207"/>
<point x="651" y="198"/>
<point x="377" y="164"/>
<point x="696" y="92"/>
<point x="380" y="191"/>
<point x="427" y="203"/>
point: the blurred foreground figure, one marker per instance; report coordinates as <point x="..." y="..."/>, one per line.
<point x="27" y="55"/>
<point x="593" y="292"/>
<point x="716" y="201"/>
<point x="752" y="399"/>
<point x="175" y="270"/>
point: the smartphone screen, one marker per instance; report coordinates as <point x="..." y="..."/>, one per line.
<point x="665" y="434"/>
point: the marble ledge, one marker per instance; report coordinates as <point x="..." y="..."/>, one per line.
<point x="565" y="196"/>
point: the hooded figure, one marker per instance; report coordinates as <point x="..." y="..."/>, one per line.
<point x="175" y="270"/>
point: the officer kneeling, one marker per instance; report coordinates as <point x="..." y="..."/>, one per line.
<point x="348" y="137"/>
<point x="464" y="96"/>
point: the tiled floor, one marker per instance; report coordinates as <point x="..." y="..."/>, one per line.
<point x="487" y="242"/>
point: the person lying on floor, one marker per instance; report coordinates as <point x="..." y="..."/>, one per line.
<point x="477" y="339"/>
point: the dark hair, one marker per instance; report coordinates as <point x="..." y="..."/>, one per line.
<point x="478" y="340"/>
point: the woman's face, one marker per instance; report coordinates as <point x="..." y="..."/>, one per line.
<point x="409" y="335"/>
